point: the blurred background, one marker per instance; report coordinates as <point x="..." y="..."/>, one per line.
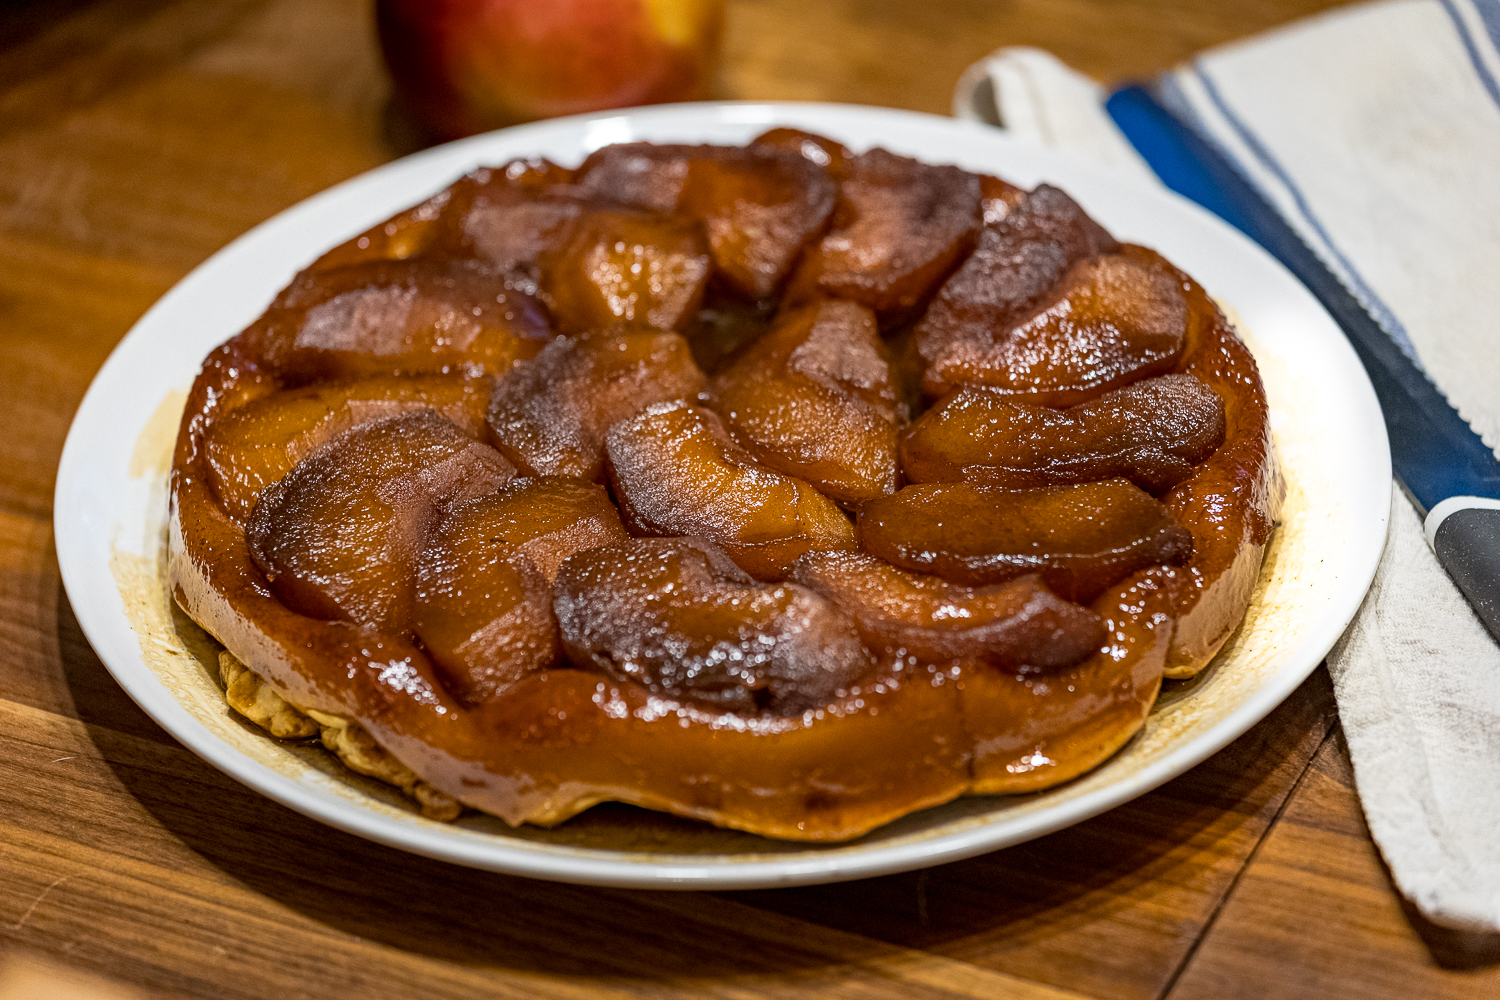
<point x="165" y="90"/>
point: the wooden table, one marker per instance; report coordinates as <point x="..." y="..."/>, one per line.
<point x="137" y="137"/>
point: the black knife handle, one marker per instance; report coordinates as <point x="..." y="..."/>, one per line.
<point x="1467" y="543"/>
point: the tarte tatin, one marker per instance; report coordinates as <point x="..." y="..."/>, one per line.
<point x="780" y="486"/>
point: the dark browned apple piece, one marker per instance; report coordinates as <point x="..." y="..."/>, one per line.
<point x="512" y="215"/>
<point x="515" y="234"/>
<point x="483" y="610"/>
<point x="532" y="176"/>
<point x="1018" y="261"/>
<point x="626" y="266"/>
<point x="549" y="415"/>
<point x="502" y="215"/>
<point x="409" y="233"/>
<point x="257" y="444"/>
<point x="901" y="226"/>
<point x="533" y="173"/>
<point x="676" y="616"/>
<point x="761" y="208"/>
<point x="546" y="519"/>
<point x="725" y="326"/>
<point x="759" y="205"/>
<point x="339" y="537"/>
<point x="1080" y="539"/>
<point x="675" y="471"/>
<point x="1153" y="433"/>
<point x="1112" y="321"/>
<point x="641" y="174"/>
<point x="1016" y="623"/>
<point x="412" y="317"/>
<point x="820" y="149"/>
<point x="813" y="399"/>
<point x="998" y="198"/>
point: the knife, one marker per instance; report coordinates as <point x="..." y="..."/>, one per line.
<point x="1445" y="469"/>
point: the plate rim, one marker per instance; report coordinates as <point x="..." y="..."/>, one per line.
<point x="539" y="860"/>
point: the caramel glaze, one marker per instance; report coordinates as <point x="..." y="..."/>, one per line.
<point x="1231" y="502"/>
<point x="560" y="740"/>
<point x="563" y="740"/>
<point x="1033" y="729"/>
<point x="909" y="735"/>
<point x="913" y="735"/>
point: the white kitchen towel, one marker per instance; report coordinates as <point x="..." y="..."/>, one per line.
<point x="1375" y="131"/>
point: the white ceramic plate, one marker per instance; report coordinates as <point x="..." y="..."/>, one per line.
<point x="110" y="514"/>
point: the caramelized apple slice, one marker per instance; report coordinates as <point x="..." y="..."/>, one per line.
<point x="998" y="198"/>
<point x="1114" y="320"/>
<point x="759" y="205"/>
<point x="1031" y="730"/>
<point x="339" y="537"/>
<point x="549" y="415"/>
<point x="676" y="616"/>
<point x="813" y="399"/>
<point x="1153" y="433"/>
<point x="405" y="234"/>
<point x="624" y="266"/>
<point x="1017" y="262"/>
<point x="545" y="519"/>
<point x="535" y="174"/>
<point x="483" y="610"/>
<point x="1080" y="539"/>
<point x="760" y="208"/>
<point x="725" y="327"/>
<point x="484" y="586"/>
<point x="820" y="149"/>
<point x="901" y="226"/>
<point x="1019" y="622"/>
<point x="413" y="317"/>
<point x="515" y="233"/>
<point x="257" y="444"/>
<point x="675" y="471"/>
<point x="510" y="216"/>
<point x="462" y="220"/>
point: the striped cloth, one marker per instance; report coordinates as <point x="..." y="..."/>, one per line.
<point x="1374" y="130"/>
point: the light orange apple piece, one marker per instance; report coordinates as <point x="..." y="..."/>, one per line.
<point x="813" y="399"/>
<point x="411" y="317"/>
<point x="676" y="471"/>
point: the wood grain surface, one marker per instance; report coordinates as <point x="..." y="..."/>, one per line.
<point x="137" y="137"/>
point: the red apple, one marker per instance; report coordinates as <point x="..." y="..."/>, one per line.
<point x="465" y="66"/>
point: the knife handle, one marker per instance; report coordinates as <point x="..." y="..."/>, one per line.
<point x="1465" y="534"/>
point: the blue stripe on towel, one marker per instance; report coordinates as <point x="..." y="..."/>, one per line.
<point x="1362" y="291"/>
<point x="1154" y="133"/>
<point x="1489" y="13"/>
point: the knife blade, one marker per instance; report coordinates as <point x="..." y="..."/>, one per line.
<point x="1448" y="472"/>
